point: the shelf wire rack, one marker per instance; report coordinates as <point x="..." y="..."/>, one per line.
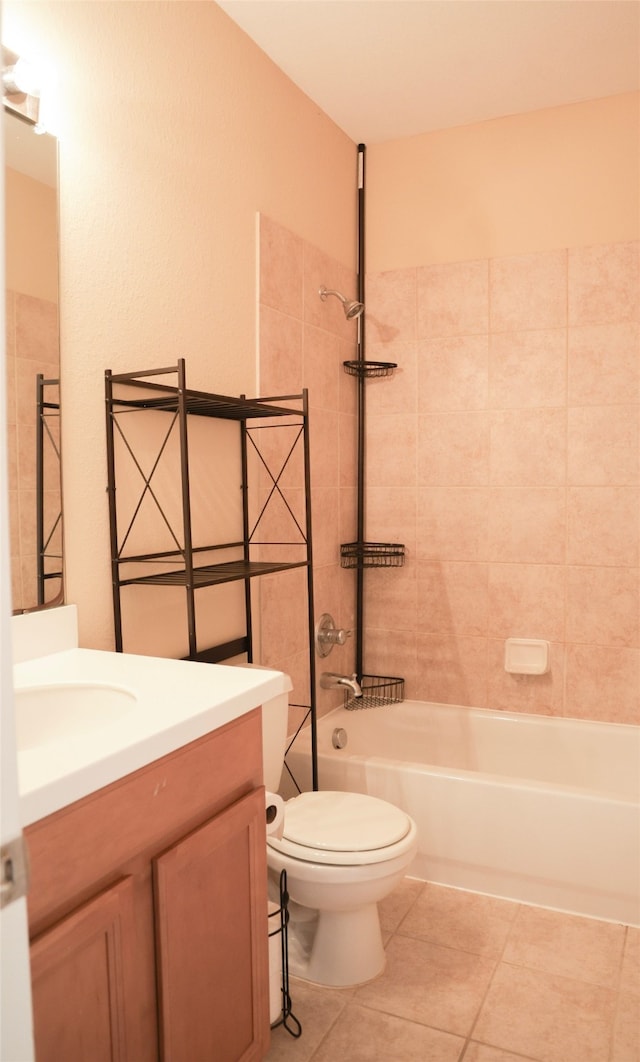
<point x="377" y="692"/>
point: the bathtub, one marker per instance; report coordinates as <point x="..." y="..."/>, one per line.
<point x="529" y="808"/>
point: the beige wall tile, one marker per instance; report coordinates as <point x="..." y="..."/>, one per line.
<point x="603" y="444"/>
<point x="602" y="526"/>
<point x="603" y="606"/>
<point x="452" y="669"/>
<point x="391" y="599"/>
<point x="453" y="449"/>
<point x="37" y="332"/>
<point x="453" y="598"/>
<point x="528" y="291"/>
<point x="392" y="450"/>
<point x="452" y="524"/>
<point x="526" y="601"/>
<point x="528" y="447"/>
<point x="453" y="299"/>
<point x="281" y="268"/>
<point x="528" y="369"/>
<point x="453" y="374"/>
<point x="280" y="353"/>
<point x="603" y="683"/>
<point x="322" y="367"/>
<point x="397" y="393"/>
<point x="527" y="526"/>
<point x="604" y="284"/>
<point x="604" y="363"/>
<point x="391" y="307"/>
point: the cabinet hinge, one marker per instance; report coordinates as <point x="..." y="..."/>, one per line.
<point x="14" y="882"/>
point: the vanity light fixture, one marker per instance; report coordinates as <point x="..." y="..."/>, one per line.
<point x="21" y="87"/>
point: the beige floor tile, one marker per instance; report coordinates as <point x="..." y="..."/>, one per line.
<point x="626" y="1034"/>
<point x="316" y="1009"/>
<point x="484" y="1053"/>
<point x="566" y="945"/>
<point x="429" y="984"/>
<point x="630" y="976"/>
<point x="363" y="1035"/>
<point x="550" y="1018"/>
<point x="462" y="920"/>
<point x="394" y="908"/>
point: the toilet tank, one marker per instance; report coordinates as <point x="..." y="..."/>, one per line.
<point x="275" y="718"/>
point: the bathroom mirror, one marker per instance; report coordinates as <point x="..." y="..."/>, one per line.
<point x="33" y="364"/>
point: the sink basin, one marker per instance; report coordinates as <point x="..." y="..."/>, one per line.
<point x="61" y="710"/>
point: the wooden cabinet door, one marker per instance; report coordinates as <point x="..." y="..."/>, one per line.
<point x="78" y="981"/>
<point x="211" y="920"/>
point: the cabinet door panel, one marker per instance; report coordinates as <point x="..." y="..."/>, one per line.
<point x="212" y="939"/>
<point x="77" y="971"/>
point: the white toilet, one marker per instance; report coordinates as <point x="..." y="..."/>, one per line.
<point x="343" y="853"/>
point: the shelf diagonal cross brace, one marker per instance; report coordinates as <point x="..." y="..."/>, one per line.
<point x="276" y="483"/>
<point x="147" y="485"/>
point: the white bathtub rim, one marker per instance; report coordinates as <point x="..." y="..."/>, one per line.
<point x="494" y="713"/>
<point x="481" y="777"/>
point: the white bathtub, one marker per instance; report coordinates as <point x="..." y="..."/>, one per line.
<point x="544" y="811"/>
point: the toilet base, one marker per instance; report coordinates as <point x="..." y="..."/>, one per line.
<point x="336" y="948"/>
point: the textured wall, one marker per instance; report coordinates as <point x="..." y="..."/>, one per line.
<point x="175" y="130"/>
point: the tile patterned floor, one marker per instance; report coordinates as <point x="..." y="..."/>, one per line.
<point x="474" y="979"/>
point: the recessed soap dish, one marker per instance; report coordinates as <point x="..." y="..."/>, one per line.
<point x="526" y="656"/>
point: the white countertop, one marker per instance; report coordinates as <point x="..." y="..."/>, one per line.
<point x="178" y="701"/>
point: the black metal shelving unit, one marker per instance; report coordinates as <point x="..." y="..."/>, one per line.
<point x="134" y="394"/>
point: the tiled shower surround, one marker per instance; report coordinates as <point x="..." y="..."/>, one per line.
<point x="504" y="454"/>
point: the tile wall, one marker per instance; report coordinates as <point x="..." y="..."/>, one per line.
<point x="503" y="453"/>
<point x="303" y="342"/>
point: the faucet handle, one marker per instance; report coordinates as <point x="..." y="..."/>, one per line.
<point x="328" y="635"/>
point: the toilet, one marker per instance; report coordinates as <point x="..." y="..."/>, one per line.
<point x="343" y="853"/>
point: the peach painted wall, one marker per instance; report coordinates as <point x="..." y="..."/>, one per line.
<point x="303" y="343"/>
<point x="503" y="278"/>
<point x="559" y="177"/>
<point x="175" y="130"/>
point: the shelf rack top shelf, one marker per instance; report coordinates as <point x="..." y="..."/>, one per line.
<point x="167" y="397"/>
<point x="213" y="574"/>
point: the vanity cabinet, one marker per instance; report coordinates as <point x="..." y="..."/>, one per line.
<point x="148" y="912"/>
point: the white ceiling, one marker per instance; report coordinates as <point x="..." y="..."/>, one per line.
<point x="385" y="69"/>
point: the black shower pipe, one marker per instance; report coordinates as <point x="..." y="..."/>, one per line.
<point x="360" y="536"/>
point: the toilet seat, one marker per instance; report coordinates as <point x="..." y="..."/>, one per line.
<point x="343" y="829"/>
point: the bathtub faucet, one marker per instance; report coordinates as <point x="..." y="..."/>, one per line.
<point x="330" y="681"/>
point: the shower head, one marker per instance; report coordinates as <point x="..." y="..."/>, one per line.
<point x="351" y="308"/>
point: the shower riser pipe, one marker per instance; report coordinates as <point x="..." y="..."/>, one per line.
<point x="361" y="420"/>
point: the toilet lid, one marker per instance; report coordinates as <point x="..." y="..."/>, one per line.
<point x="343" y="822"/>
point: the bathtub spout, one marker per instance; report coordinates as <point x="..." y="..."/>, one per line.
<point x="330" y="681"/>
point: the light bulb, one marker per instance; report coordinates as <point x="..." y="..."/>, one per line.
<point x="26" y="78"/>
